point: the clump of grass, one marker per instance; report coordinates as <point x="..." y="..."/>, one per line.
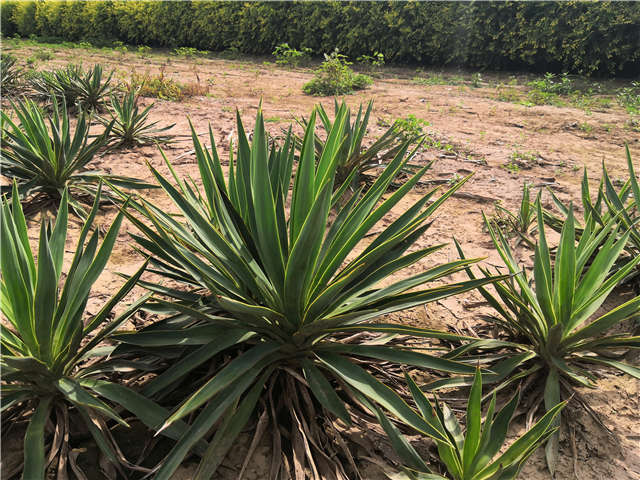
<point x="40" y="55"/>
<point x="164" y="88"/>
<point x="585" y="127"/>
<point x="507" y="93"/>
<point x="156" y="86"/>
<point x="633" y="124"/>
<point x="335" y="77"/>
<point x="438" y="79"/>
<point x="189" y="52"/>
<point x="433" y="79"/>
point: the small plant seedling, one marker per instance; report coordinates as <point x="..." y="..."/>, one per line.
<point x="411" y="126"/>
<point x="476" y="80"/>
<point x="523" y="159"/>
<point x="144" y="50"/>
<point x="120" y="47"/>
<point x="512" y="167"/>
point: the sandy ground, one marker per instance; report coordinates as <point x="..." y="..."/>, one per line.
<point x="483" y="132"/>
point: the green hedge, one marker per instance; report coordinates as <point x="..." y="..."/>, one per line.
<point x="600" y="38"/>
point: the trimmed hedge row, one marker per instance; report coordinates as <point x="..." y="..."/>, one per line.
<point x="601" y="38"/>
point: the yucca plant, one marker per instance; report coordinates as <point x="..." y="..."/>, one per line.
<point x="57" y="84"/>
<point x="130" y="126"/>
<point x="72" y="85"/>
<point x="44" y="160"/>
<point x="272" y="296"/>
<point x="93" y="89"/>
<point x="552" y="322"/>
<point x="623" y="206"/>
<point x="522" y="222"/>
<point x="53" y="360"/>
<point x="474" y="454"/>
<point x="10" y="74"/>
<point x="355" y="160"/>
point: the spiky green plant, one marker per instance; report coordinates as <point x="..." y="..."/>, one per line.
<point x="471" y="455"/>
<point x="623" y="206"/>
<point x="356" y="161"/>
<point x="57" y="84"/>
<point x="93" y="89"/>
<point x="271" y="297"/>
<point x="130" y="126"/>
<point x="72" y="85"/>
<point x="44" y="160"/>
<point x="522" y="222"/>
<point x="552" y="321"/>
<point x="53" y="363"/>
<point x="10" y="74"/>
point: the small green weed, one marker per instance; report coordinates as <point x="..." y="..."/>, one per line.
<point x="629" y="98"/>
<point x="551" y="83"/>
<point x="524" y="159"/>
<point x="144" y="50"/>
<point x="120" y="47"/>
<point x="432" y="79"/>
<point x="285" y="55"/>
<point x="43" y="55"/>
<point x="512" y="167"/>
<point x="633" y="123"/>
<point x="411" y="126"/>
<point x="476" y="80"/>
<point x="371" y="62"/>
<point x="585" y="127"/>
<point x="189" y="52"/>
<point x="506" y="93"/>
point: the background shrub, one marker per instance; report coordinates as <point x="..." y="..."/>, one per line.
<point x="335" y="77"/>
<point x="600" y="38"/>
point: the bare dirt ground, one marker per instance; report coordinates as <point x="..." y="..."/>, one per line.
<point x="483" y="133"/>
